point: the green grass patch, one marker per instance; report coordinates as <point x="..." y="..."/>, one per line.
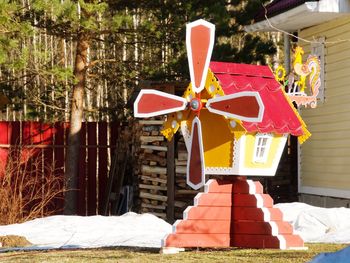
<point x="143" y="256"/>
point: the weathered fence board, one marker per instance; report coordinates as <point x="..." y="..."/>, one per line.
<point x="48" y="142"/>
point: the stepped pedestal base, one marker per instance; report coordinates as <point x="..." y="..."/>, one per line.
<point x="233" y="213"/>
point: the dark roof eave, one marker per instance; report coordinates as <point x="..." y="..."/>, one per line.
<point x="278" y="7"/>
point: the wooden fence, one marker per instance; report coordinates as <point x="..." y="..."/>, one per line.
<point x="49" y="142"/>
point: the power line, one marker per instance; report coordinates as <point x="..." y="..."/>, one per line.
<point x="314" y="41"/>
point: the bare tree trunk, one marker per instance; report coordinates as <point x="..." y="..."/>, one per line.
<point x="76" y="118"/>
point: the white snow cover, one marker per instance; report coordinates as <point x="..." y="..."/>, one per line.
<point x="130" y="229"/>
<point x="314" y="224"/>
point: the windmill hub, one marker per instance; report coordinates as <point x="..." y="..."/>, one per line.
<point x="196" y="104"/>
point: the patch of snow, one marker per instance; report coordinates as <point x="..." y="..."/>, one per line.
<point x="317" y="224"/>
<point x="130" y="229"/>
<point x="313" y="224"/>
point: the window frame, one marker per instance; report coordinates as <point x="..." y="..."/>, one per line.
<point x="260" y="156"/>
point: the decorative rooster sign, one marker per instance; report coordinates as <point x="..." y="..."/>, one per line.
<point x="304" y="82"/>
<point x="242" y="106"/>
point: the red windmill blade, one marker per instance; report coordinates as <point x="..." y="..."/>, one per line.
<point x="195" y="163"/>
<point x="200" y="36"/>
<point x="245" y="106"/>
<point x="150" y="103"/>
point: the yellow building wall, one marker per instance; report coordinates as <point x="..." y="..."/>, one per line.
<point x="325" y="157"/>
<point x="249" y="152"/>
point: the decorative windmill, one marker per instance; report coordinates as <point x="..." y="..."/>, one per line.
<point x="244" y="106"/>
<point x="235" y="119"/>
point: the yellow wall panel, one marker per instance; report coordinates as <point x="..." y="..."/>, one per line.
<point x="249" y="152"/>
<point x="325" y="158"/>
<point x="217" y="140"/>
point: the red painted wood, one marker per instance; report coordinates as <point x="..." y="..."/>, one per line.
<point x="102" y="165"/>
<point x="202" y="226"/>
<point x="5" y="135"/>
<point x="257" y="214"/>
<point x="198" y="240"/>
<point x="233" y="186"/>
<point x="242" y="69"/>
<point x="35" y="132"/>
<point x="238" y="106"/>
<point x="226" y="219"/>
<point x="5" y="132"/>
<point x="227" y="199"/>
<point x="26" y="132"/>
<point x="233" y="240"/>
<point x="26" y="140"/>
<point x="15" y="133"/>
<point x="15" y="141"/>
<point x="293" y="241"/>
<point x="82" y="197"/>
<point x="227" y="213"/>
<point x="255" y="241"/>
<point x="242" y="186"/>
<point x="261" y="228"/>
<point x="92" y="165"/>
<point x="150" y="103"/>
<point x="217" y="226"/>
<point x="210" y="213"/>
<point x="47" y="133"/>
<point x="54" y="137"/>
<point x="200" y="41"/>
<point x="153" y="102"/>
<point x="235" y="78"/>
<point x="195" y="170"/>
<point x="59" y="161"/>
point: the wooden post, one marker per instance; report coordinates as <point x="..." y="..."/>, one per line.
<point x="286" y="53"/>
<point x="171" y="174"/>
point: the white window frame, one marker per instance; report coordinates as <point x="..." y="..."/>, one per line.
<point x="262" y="147"/>
<point x="318" y="49"/>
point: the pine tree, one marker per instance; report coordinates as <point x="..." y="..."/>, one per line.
<point x="80" y="59"/>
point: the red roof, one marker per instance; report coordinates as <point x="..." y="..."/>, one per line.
<point x="279" y="117"/>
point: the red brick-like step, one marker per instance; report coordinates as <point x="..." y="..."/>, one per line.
<point x="241" y="186"/>
<point x="232" y="199"/>
<point x="233" y="213"/>
<point x="227" y="227"/>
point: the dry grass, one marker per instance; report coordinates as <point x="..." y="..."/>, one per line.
<point x="28" y="188"/>
<point x="14" y="241"/>
<point x="205" y="256"/>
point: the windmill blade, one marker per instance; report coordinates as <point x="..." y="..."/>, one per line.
<point x="195" y="162"/>
<point x="200" y="36"/>
<point x="151" y="103"/>
<point x="245" y="106"/>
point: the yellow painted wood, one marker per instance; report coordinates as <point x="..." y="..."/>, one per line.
<point x="328" y="28"/>
<point x="249" y="152"/>
<point x="326" y="152"/>
<point x="334" y="184"/>
<point x="325" y="158"/>
<point x="217" y="140"/>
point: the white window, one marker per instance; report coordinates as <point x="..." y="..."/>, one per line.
<point x="262" y="147"/>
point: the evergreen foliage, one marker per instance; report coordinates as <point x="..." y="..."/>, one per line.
<point x="129" y="41"/>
